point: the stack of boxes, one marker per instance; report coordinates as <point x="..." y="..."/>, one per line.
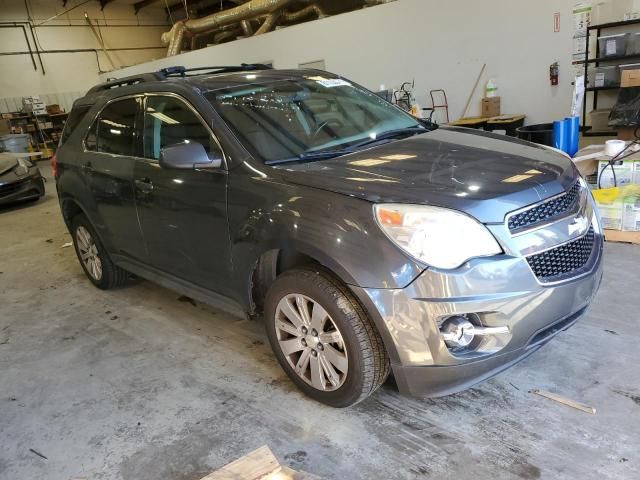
<point x="34" y="105"/>
<point x="619" y="209"/>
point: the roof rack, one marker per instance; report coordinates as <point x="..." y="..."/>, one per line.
<point x="123" y="82"/>
<point x="187" y="72"/>
<point x="176" y="71"/>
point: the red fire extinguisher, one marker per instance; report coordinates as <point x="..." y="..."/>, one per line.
<point x="554" y="73"/>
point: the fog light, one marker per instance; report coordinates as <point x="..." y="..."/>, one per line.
<point x="459" y="332"/>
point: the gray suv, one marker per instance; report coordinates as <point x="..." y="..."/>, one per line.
<point x="370" y="241"/>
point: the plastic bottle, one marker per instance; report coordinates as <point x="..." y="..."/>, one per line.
<point x="492" y="88"/>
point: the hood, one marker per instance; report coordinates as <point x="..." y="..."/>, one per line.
<point x="7" y="162"/>
<point x="483" y="174"/>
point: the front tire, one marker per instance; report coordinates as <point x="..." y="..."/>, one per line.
<point x="93" y="257"/>
<point x="323" y="339"/>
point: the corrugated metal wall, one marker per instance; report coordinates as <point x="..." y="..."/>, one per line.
<point x="65" y="100"/>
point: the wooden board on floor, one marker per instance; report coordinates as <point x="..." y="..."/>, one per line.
<point x="620" y="236"/>
<point x="260" y="464"/>
<point x="255" y="465"/>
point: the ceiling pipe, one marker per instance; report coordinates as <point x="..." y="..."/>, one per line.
<point x="246" y="11"/>
<point x="26" y="39"/>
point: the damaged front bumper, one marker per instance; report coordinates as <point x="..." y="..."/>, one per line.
<point x="22" y="189"/>
<point x="500" y="291"/>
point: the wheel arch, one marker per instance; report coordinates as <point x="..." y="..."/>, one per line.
<point x="276" y="260"/>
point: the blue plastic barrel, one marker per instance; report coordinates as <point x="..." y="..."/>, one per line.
<point x="560" y="138"/>
<point x="573" y="135"/>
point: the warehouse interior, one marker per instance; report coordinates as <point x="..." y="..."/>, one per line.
<point x="473" y="254"/>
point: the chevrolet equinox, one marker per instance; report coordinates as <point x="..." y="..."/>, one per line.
<point x="370" y="241"/>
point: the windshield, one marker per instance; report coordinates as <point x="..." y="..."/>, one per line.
<point x="291" y="119"/>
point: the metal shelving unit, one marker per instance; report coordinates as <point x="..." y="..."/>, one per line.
<point x="618" y="59"/>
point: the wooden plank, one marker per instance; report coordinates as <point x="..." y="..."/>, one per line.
<point x="253" y="466"/>
<point x="289" y="474"/>
<point x="620" y="236"/>
<point x="565" y="401"/>
<point x="470" y="122"/>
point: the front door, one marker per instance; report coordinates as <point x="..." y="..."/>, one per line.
<point x="182" y="213"/>
<point x="111" y="146"/>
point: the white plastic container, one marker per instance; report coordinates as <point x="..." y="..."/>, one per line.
<point x="16" y="143"/>
<point x="633" y="44"/>
<point x="492" y="88"/>
<point x="604" y="77"/>
<point x="613" y="45"/>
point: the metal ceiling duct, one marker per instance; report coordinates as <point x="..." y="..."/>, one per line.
<point x="246" y="11"/>
<point x="254" y="17"/>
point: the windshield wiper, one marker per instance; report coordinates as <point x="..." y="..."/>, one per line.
<point x="311" y="156"/>
<point x="390" y="134"/>
<point x="327" y="154"/>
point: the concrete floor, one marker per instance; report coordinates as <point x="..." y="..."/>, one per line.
<point x="136" y="384"/>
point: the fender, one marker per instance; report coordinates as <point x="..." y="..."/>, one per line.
<point x="336" y="230"/>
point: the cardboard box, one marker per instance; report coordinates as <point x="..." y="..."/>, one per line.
<point x="631" y="214"/>
<point x="54" y="109"/>
<point x="5" y="126"/>
<point x="624" y="174"/>
<point x="636" y="172"/>
<point x="626" y="133"/>
<point x="611" y="215"/>
<point x="630" y="78"/>
<point x="491" y="107"/>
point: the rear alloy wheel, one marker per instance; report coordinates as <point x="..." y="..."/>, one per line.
<point x="93" y="257"/>
<point x="323" y="338"/>
<point x="88" y="253"/>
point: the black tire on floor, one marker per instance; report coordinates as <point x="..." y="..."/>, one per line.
<point x="112" y="275"/>
<point x="368" y="363"/>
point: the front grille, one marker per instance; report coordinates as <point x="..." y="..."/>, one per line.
<point x="565" y="261"/>
<point x="549" y="210"/>
<point x="10" y="188"/>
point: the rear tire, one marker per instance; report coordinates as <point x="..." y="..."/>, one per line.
<point x="93" y="257"/>
<point x="341" y="362"/>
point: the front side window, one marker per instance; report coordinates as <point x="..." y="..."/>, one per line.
<point x="116" y="128"/>
<point x="289" y="118"/>
<point x="169" y="121"/>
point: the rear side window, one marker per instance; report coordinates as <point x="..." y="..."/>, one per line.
<point x="73" y="120"/>
<point x="116" y="128"/>
<point x="169" y="121"/>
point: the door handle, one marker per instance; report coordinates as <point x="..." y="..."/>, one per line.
<point x="87" y="167"/>
<point x="144" y="185"/>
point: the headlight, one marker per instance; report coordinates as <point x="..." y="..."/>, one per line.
<point x="439" y="237"/>
<point x="22" y="167"/>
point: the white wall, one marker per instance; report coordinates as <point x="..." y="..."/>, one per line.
<point x="439" y="43"/>
<point x="73" y="72"/>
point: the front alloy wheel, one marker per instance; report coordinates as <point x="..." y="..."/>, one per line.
<point x="311" y="342"/>
<point x="322" y="337"/>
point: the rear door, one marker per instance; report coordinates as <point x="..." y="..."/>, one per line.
<point x="110" y="148"/>
<point x="183" y="213"/>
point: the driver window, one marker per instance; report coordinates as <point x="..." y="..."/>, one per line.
<point x="169" y="121"/>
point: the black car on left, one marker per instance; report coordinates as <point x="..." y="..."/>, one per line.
<point x="20" y="179"/>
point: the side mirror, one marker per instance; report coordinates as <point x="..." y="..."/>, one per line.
<point x="187" y="156"/>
